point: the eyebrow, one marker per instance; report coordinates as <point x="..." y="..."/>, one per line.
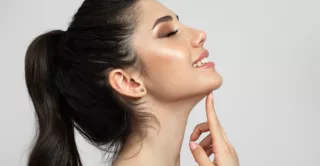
<point x="164" y="19"/>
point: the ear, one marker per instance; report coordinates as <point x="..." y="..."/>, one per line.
<point x="126" y="84"/>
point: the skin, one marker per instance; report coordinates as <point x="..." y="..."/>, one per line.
<point x="172" y="86"/>
<point x="215" y="143"/>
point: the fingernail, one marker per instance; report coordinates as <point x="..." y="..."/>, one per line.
<point x="193" y="145"/>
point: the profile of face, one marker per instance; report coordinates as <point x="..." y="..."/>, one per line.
<point x="168" y="50"/>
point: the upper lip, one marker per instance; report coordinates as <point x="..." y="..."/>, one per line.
<point x="204" y="54"/>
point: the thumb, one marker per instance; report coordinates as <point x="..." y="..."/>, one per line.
<point x="200" y="155"/>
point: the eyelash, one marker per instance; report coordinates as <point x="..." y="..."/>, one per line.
<point x="171" y="33"/>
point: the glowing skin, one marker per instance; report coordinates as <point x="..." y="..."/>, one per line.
<point x="172" y="86"/>
<point x="169" y="60"/>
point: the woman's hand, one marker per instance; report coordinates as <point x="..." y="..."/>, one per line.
<point x="216" y="142"/>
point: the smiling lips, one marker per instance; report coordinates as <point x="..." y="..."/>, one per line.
<point x="202" y="60"/>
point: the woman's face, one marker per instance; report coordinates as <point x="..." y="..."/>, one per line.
<point x="169" y="56"/>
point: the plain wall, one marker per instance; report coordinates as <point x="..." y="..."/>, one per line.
<point x="267" y="51"/>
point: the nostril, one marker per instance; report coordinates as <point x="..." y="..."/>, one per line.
<point x="202" y="41"/>
<point x="203" y="37"/>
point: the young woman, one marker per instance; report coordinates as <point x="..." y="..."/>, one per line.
<point x="125" y="74"/>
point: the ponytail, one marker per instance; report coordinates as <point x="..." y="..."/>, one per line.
<point x="55" y="143"/>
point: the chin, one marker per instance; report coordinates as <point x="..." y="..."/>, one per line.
<point x="212" y="83"/>
<point x="216" y="83"/>
<point x="208" y="86"/>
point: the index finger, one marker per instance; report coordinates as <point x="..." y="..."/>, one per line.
<point x="213" y="121"/>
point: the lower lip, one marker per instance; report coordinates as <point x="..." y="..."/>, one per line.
<point x="207" y="65"/>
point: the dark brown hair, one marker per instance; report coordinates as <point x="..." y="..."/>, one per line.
<point x="67" y="79"/>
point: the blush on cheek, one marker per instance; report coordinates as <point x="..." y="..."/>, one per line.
<point x="177" y="57"/>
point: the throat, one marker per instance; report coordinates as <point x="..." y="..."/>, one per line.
<point x="160" y="146"/>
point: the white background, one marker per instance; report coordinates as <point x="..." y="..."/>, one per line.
<point x="268" y="52"/>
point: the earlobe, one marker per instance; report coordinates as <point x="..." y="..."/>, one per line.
<point x="125" y="84"/>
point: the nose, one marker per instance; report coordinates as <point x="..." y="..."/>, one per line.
<point x="199" y="37"/>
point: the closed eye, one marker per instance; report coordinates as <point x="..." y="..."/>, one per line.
<point x="171" y="33"/>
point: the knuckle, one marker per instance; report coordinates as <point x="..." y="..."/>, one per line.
<point x="200" y="125"/>
<point x="226" y="148"/>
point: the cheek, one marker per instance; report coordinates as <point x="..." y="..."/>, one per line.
<point x="169" y="70"/>
<point x="168" y="66"/>
<point x="167" y="61"/>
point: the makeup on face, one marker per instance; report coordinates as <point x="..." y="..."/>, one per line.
<point x="165" y="30"/>
<point x="163" y="19"/>
<point x="202" y="61"/>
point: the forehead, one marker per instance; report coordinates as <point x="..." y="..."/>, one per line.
<point x="150" y="11"/>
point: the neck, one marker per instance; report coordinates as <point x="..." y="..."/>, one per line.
<point x="161" y="145"/>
